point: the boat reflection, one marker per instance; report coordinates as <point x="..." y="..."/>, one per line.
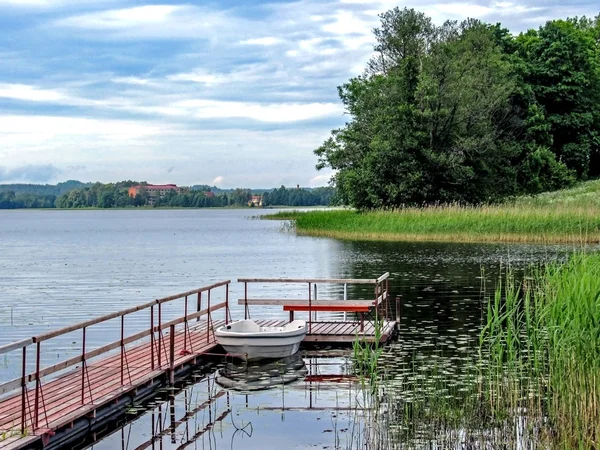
<point x="248" y="377"/>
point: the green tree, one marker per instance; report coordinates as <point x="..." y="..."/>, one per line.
<point x="429" y="117"/>
<point x="562" y="67"/>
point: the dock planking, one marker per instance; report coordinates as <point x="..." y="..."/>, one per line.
<point x="91" y="387"/>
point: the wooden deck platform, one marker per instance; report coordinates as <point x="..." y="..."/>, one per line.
<point x="62" y="397"/>
<point x="54" y="405"/>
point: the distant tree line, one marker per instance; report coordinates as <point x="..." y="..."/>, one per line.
<point x="116" y="195"/>
<point x="44" y="189"/>
<point x="12" y="200"/>
<point x="323" y="196"/>
<point x="467" y="112"/>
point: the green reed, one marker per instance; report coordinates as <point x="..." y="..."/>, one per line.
<point x="537" y="363"/>
<point x="541" y="349"/>
<point x="507" y="223"/>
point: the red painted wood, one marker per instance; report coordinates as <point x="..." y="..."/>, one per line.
<point x="327" y="308"/>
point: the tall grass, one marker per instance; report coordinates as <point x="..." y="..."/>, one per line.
<point x="542" y="348"/>
<point x="535" y="382"/>
<point x="508" y="223"/>
<point x="569" y="215"/>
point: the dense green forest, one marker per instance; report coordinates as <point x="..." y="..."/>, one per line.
<point x="44" y="189"/>
<point x="468" y="113"/>
<point x="115" y="195"/>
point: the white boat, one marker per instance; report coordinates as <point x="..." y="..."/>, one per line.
<point x="247" y="340"/>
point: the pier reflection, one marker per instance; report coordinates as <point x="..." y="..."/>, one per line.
<point x="311" y="399"/>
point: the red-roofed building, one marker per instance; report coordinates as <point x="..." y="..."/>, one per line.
<point x="256" y="200"/>
<point x="154" y="190"/>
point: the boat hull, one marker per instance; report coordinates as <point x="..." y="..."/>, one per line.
<point x="248" y="341"/>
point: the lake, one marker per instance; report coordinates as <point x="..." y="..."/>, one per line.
<point x="60" y="267"/>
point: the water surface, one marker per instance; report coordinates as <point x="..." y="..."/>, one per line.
<point x="60" y="267"/>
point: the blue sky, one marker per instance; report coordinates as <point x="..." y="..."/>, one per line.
<point x="233" y="93"/>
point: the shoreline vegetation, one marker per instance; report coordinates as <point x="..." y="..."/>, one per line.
<point x="567" y="216"/>
<point x="533" y="380"/>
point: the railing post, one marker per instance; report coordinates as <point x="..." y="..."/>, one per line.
<point x="23" y="389"/>
<point x="315" y="297"/>
<point x="208" y="319"/>
<point x="152" y="337"/>
<point x="36" y="406"/>
<point x="345" y="298"/>
<point x="160" y="336"/>
<point x="309" y="307"/>
<point x="245" y="300"/>
<point x="172" y="354"/>
<point x="226" y="303"/>
<point x="198" y="304"/>
<point x="83" y="366"/>
<point x="387" y="293"/>
<point x="122" y="350"/>
<point x="377" y="306"/>
<point x="185" y="323"/>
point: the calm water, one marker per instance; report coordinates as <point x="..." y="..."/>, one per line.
<point x="59" y="267"/>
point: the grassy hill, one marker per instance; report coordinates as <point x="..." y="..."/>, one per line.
<point x="583" y="195"/>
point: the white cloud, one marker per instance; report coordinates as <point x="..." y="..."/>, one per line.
<point x="347" y="23"/>
<point x="123" y="18"/>
<point x="154" y="22"/>
<point x="265" y="41"/>
<point x="272" y="113"/>
<point x="131" y="80"/>
<point x="197" y="77"/>
<point x="29" y="93"/>
<point x="72" y="126"/>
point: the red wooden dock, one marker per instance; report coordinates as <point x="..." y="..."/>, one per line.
<point x="45" y="406"/>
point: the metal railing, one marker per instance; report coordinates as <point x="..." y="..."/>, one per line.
<point x="380" y="286"/>
<point x="154" y="332"/>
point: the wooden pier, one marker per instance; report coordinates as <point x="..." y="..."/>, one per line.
<point x="49" y="406"/>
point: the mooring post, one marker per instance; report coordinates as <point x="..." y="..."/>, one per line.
<point x="172" y="355"/>
<point x="398" y="308"/>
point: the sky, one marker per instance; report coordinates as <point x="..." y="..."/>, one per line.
<point x="232" y="93"/>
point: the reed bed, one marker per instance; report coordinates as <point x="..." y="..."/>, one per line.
<point x="532" y="381"/>
<point x="506" y="223"/>
<point x="542" y="339"/>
